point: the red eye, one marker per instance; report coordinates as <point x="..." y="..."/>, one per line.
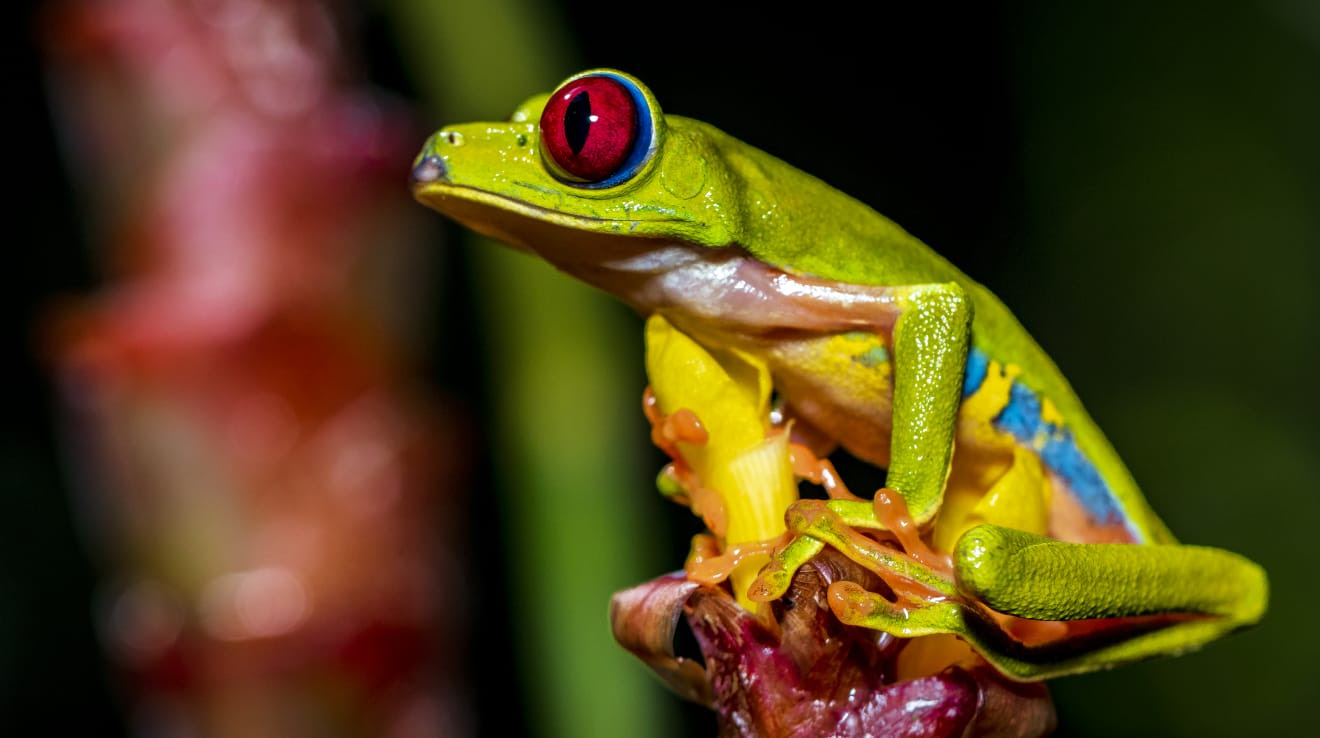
<point x="589" y="128"/>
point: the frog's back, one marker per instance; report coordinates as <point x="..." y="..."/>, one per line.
<point x="832" y="236"/>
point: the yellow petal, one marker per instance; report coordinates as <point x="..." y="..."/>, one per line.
<point x="742" y="462"/>
<point x="757" y="485"/>
<point x="729" y="391"/>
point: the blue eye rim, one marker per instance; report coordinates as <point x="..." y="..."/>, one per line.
<point x="649" y="127"/>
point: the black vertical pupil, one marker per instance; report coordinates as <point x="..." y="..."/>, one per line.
<point x="577" y="121"/>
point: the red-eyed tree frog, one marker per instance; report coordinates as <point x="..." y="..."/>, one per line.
<point x="873" y="342"/>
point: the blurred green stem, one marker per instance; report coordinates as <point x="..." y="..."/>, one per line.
<point x="564" y="398"/>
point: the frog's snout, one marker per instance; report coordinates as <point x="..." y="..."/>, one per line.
<point x="428" y="169"/>
<point x="431" y="167"/>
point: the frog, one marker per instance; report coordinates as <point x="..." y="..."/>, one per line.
<point x="1020" y="531"/>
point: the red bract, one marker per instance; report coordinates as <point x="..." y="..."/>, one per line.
<point x="803" y="674"/>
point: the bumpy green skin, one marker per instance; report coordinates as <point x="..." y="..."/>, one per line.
<point x="702" y="187"/>
<point x="932" y="336"/>
<point x="1040" y="578"/>
<point x="706" y="188"/>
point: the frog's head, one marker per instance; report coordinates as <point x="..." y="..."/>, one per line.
<point x="595" y="157"/>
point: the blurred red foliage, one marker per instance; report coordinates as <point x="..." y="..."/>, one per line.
<point x="269" y="484"/>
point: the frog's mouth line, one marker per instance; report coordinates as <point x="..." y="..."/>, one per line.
<point x="517" y="222"/>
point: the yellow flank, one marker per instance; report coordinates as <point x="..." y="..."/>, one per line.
<point x="990" y="399"/>
<point x="1050" y="413"/>
<point x="846" y="352"/>
<point x="1019" y="500"/>
<point x="857" y="365"/>
<point x="994" y="479"/>
<point x="856" y="357"/>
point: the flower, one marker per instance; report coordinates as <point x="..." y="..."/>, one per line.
<point x="803" y="673"/>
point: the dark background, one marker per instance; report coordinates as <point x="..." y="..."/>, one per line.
<point x="1138" y="181"/>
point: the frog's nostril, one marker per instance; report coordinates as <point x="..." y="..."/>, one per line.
<point x="429" y="169"/>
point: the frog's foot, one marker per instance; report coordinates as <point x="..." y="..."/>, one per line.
<point x="912" y="598"/>
<point x="708" y="565"/>
<point x="668" y="430"/>
<point x="989" y="635"/>
<point x="836" y="523"/>
<point x="892" y="512"/>
<point x="775" y="577"/>
<point x="807" y="465"/>
<point x="677" y="480"/>
<point x="854" y="605"/>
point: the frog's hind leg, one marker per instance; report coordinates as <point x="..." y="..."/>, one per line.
<point x="1099" y="604"/>
<point x="1189" y="595"/>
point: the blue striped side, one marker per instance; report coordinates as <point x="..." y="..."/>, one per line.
<point x="977" y="365"/>
<point x="1056" y="445"/>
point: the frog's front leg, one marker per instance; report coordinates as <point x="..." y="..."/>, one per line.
<point x="927" y="327"/>
<point x="931" y="339"/>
